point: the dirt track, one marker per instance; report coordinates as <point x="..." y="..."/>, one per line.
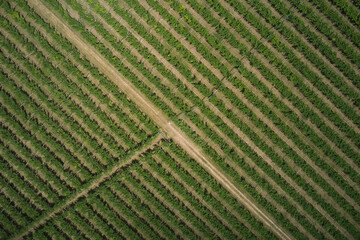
<point x="156" y="115"/>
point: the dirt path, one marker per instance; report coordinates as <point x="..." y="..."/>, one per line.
<point x="93" y="80"/>
<point x="86" y="188"/>
<point x="146" y="106"/>
<point x="185" y="202"/>
<point x="225" y="119"/>
<point x="214" y="194"/>
<point x="262" y="136"/>
<point x="196" y="196"/>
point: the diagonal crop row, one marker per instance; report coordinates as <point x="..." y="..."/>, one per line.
<point x="28" y="175"/>
<point x="37" y="75"/>
<point x="24" y="188"/>
<point x="34" y="160"/>
<point x="28" y="119"/>
<point x="89" y="126"/>
<point x="71" y="71"/>
<point x="300" y="125"/>
<point x="33" y="138"/>
<point x="348" y="30"/>
<point x="98" y="80"/>
<point x="318" y="44"/>
<point x="69" y="89"/>
<point x="207" y="198"/>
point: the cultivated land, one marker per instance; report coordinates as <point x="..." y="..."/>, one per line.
<point x="180" y="119"/>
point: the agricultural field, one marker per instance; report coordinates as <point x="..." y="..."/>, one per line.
<point x="180" y="119"/>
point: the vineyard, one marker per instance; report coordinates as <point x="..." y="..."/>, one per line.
<point x="180" y="119"/>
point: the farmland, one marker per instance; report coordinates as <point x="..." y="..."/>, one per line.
<point x="180" y="119"/>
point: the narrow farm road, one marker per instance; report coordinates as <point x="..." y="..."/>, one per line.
<point x="171" y="130"/>
<point x="86" y="188"/>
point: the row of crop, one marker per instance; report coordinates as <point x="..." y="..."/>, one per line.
<point x="41" y="169"/>
<point x="81" y="123"/>
<point x="219" y="141"/>
<point x="24" y="188"/>
<point x="175" y="187"/>
<point x="11" y="217"/>
<point x="24" y="134"/>
<point x="37" y="235"/>
<point x="318" y="44"/>
<point x="81" y="224"/>
<point x="350" y="11"/>
<point x="66" y="46"/>
<point x="28" y="135"/>
<point x="197" y="139"/>
<point x="67" y="228"/>
<point x="315" y="195"/>
<point x="94" y="219"/>
<point x="81" y="81"/>
<point x="52" y="231"/>
<point x="113" y="196"/>
<point x="327" y="30"/>
<point x="139" y="205"/>
<point x="70" y="87"/>
<point x="7" y="227"/>
<point x="318" y="141"/>
<point x="286" y="71"/>
<point x="113" y="60"/>
<point x="286" y="92"/>
<point x="175" y="203"/>
<point x="136" y="28"/>
<point x="133" y="60"/>
<point x="48" y="231"/>
<point x="28" y="174"/>
<point x="354" y="175"/>
<point x="323" y="183"/>
<point x="38" y="112"/>
<point x="348" y="30"/>
<point x="111" y="217"/>
<point x="44" y="105"/>
<point x="59" y="95"/>
<point x="118" y="46"/>
<point x="13" y="213"/>
<point x="214" y="186"/>
<point x="251" y="38"/>
<point x="270" y="172"/>
<point x="230" y="98"/>
<point x="85" y="187"/>
<point x="18" y="200"/>
<point x="207" y="197"/>
<point x="136" y="191"/>
<point x="266" y="111"/>
<point x="165" y="52"/>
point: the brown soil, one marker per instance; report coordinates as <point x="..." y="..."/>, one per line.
<point x="143" y="103"/>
